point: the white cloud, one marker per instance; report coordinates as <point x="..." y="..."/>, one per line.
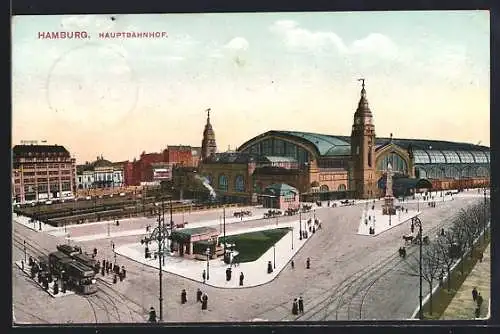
<point x="237" y="43"/>
<point x="296" y="37"/>
<point x="87" y="22"/>
<point x="375" y="43"/>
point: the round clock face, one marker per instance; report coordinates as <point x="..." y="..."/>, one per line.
<point x="358" y="121"/>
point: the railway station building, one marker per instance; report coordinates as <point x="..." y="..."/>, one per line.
<point x="326" y="166"/>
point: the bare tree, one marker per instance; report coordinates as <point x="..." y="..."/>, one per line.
<point x="445" y="245"/>
<point x="431" y="267"/>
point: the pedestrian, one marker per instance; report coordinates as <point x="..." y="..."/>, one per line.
<point x="198" y="295"/>
<point x="152" y="314"/>
<point x="474" y="294"/>
<point x="301" y="305"/>
<point x="295" y="307"/>
<point x="204" y="275"/>
<point x="308" y="263"/>
<point x="241" y="278"/>
<point x="204" y="302"/>
<point x="183" y="296"/>
<point x="480" y="257"/>
<point x="293" y="264"/>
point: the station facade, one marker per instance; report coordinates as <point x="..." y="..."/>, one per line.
<point x="323" y="166"/>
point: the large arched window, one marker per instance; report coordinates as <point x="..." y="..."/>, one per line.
<point x="223" y="184"/>
<point x="239" y="184"/>
<point x="398" y="164"/>
<point x="324" y="188"/>
<point x="341" y="187"/>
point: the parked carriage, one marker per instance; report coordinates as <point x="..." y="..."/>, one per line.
<point x="272" y="213"/>
<point x="242" y="213"/>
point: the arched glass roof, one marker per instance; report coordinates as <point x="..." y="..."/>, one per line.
<point x="436" y="157"/>
<point x="451" y="157"/>
<point x="421" y="157"/>
<point x="466" y="157"/>
<point x="480" y="157"/>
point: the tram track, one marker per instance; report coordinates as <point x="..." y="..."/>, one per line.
<point x="35" y="249"/>
<point x="363" y="280"/>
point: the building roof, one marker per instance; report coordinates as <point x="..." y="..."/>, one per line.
<point x="280" y="189"/>
<point x="331" y="145"/>
<point x="232" y="158"/>
<point x="33" y="150"/>
<point x="326" y="145"/>
<point x="186" y="233"/>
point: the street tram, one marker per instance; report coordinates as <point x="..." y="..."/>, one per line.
<point x="81" y="278"/>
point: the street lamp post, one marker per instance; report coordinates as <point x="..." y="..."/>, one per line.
<point x="114" y="253"/>
<point x="300" y="222"/>
<point x="208" y="262"/>
<point x="224" y="229"/>
<point x="24" y="244"/>
<point x="418" y="222"/>
<point x="160" y="255"/>
<point x="292" y="237"/>
<point x="484" y="221"/>
<point x="274" y="256"/>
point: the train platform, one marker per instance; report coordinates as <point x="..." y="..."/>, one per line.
<point x="255" y="273"/>
<point x="462" y="306"/>
<point x="50" y="290"/>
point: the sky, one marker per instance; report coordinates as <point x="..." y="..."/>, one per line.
<point x="427" y="76"/>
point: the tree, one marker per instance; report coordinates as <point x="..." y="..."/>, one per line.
<point x="431" y="267"/>
<point x="446" y="245"/>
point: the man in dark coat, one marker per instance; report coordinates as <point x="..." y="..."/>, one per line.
<point x="293" y="264"/>
<point x="198" y="295"/>
<point x="308" y="263"/>
<point x="204" y="302"/>
<point x="241" y="278"/>
<point x="204" y="276"/>
<point x="301" y="305"/>
<point x="295" y="307"/>
<point x="152" y="315"/>
<point x="183" y="296"/>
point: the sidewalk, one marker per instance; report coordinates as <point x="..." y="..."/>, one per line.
<point x="462" y="307"/>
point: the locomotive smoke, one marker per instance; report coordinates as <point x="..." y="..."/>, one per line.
<point x="207" y="185"/>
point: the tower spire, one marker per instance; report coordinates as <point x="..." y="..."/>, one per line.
<point x="363" y="108"/>
<point x="208" y="144"/>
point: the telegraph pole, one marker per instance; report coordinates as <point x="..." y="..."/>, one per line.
<point x="224" y="227"/>
<point x="160" y="255"/>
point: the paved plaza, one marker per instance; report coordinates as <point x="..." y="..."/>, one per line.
<point x="255" y="273"/>
<point x="351" y="276"/>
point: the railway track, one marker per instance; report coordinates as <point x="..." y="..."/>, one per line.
<point x="111" y="306"/>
